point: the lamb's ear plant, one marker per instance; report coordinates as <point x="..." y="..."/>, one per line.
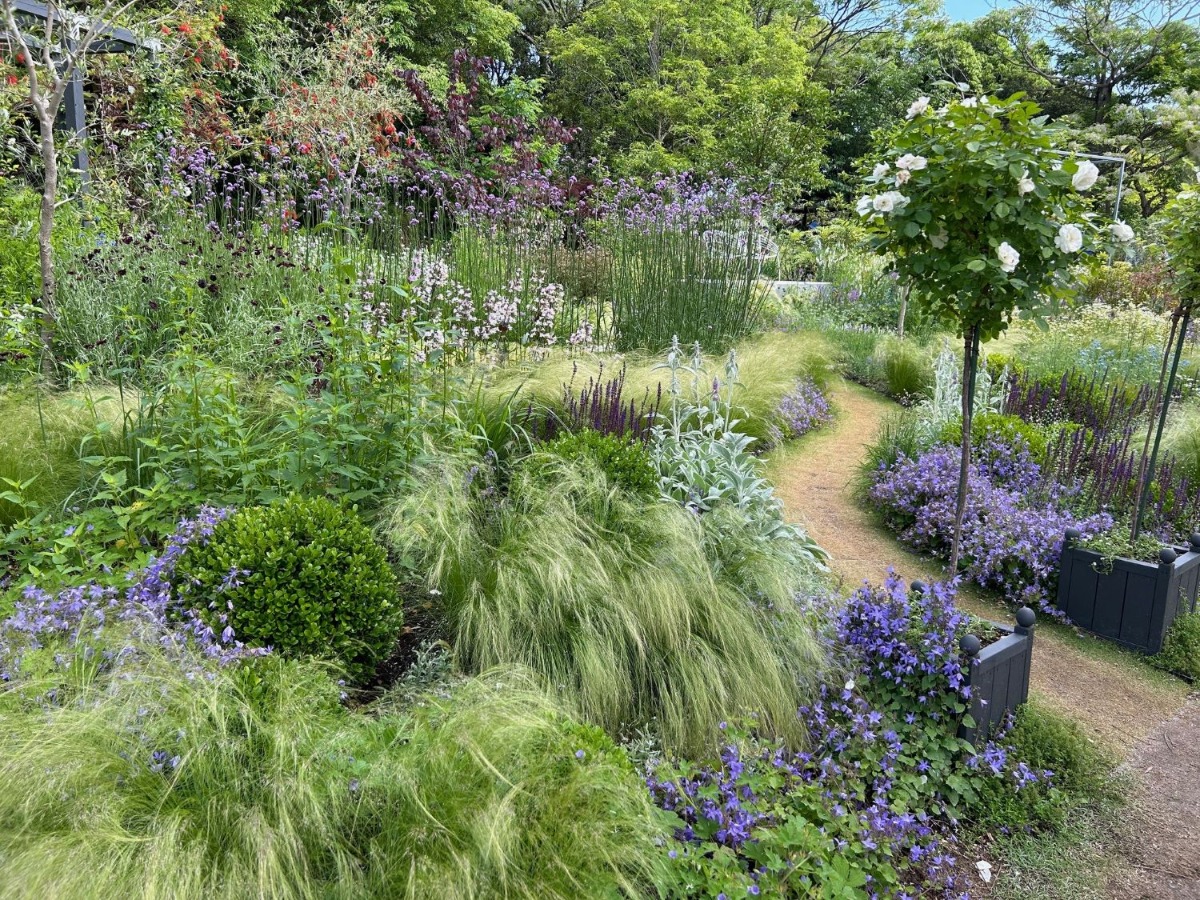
<point x="983" y="217"/>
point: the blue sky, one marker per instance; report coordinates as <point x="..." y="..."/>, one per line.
<point x="963" y="10"/>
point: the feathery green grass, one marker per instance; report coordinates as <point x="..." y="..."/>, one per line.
<point x="42" y="437"/>
<point x="612" y="598"/>
<point x="268" y="787"/>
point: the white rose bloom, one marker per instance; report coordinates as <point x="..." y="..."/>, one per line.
<point x="1085" y="176"/>
<point x="918" y="106"/>
<point x="1069" y="239"/>
<point x="1025" y="185"/>
<point x="863" y="206"/>
<point x="912" y="163"/>
<point x="884" y="202"/>
<point x="1121" y="232"/>
<point x="1008" y="256"/>
<point x="880" y="170"/>
<point x="970" y="102"/>
<point x="939" y="240"/>
<point x="902" y="176"/>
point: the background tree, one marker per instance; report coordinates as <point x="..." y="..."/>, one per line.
<point x="984" y="220"/>
<point x="688" y="84"/>
<point x="51" y="51"/>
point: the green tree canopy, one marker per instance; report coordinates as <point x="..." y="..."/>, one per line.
<point x="689" y="84"/>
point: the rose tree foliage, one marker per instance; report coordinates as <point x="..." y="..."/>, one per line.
<point x="980" y="212"/>
<point x="983" y="218"/>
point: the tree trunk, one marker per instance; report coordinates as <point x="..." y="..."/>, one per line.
<point x="1136" y="525"/>
<point x="970" y="364"/>
<point x="1155" y="407"/>
<point x="903" y="311"/>
<point x="49" y="314"/>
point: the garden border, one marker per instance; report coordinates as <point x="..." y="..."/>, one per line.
<point x="998" y="675"/>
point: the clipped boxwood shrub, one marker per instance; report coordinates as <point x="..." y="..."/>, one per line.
<point x="305" y="576"/>
<point x="625" y="462"/>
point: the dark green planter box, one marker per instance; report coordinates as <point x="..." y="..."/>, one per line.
<point x="1127" y="601"/>
<point x="998" y="675"/>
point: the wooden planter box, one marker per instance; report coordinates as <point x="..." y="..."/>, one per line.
<point x="1126" y="601"/>
<point x="997" y="673"/>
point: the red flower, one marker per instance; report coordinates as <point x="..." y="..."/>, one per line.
<point x="11" y="79"/>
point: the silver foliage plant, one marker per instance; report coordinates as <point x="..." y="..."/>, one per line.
<point x="705" y="463"/>
<point x="944" y="404"/>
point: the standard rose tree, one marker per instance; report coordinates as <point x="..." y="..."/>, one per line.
<point x="984" y="218"/>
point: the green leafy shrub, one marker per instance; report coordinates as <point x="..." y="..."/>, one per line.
<point x="257" y="782"/>
<point x="1181" y="649"/>
<point x="302" y="576"/>
<point x="609" y="596"/>
<point x="625" y="462"/>
<point x="1011" y="430"/>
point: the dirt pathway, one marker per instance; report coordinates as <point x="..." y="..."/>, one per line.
<point x="1160" y="846"/>
<point x="1116" y="699"/>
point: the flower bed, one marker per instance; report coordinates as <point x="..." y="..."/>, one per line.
<point x="1011" y="542"/>
<point x="874" y="802"/>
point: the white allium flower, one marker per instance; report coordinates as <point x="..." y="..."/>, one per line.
<point x="1008" y="256"/>
<point x="1085" y="176"/>
<point x="1025" y="185"/>
<point x="902" y="176"/>
<point x="1069" y="239"/>
<point x="880" y="170"/>
<point x="940" y="239"/>
<point x="912" y="163"/>
<point x="1121" y="232"/>
<point x="918" y="106"/>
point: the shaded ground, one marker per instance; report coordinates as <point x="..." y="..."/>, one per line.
<point x="1160" y="845"/>
<point x="1140" y="715"/>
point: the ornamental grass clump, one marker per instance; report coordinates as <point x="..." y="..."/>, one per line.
<point x="612" y="598"/>
<point x="257" y="781"/>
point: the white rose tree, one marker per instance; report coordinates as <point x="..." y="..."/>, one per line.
<point x="983" y="217"/>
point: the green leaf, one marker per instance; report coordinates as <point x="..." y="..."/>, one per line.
<point x="977" y="265"/>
